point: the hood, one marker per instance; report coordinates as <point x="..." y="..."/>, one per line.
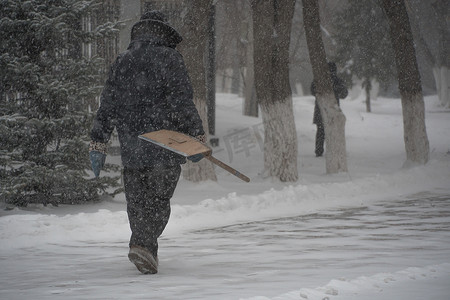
<point x="158" y="28"/>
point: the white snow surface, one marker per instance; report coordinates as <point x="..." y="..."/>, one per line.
<point x="380" y="231"/>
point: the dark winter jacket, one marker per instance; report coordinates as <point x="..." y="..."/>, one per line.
<point x="340" y="92"/>
<point x="148" y="89"/>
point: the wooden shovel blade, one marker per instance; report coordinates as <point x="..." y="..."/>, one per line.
<point x="187" y="146"/>
<point x="177" y="142"/>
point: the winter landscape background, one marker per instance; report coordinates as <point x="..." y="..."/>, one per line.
<point x="379" y="231"/>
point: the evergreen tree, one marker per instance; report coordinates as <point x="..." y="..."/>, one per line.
<point x="44" y="82"/>
<point x="363" y="45"/>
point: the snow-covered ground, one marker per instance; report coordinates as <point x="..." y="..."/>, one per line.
<point x="377" y="232"/>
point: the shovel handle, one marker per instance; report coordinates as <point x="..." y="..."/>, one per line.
<point x="227" y="168"/>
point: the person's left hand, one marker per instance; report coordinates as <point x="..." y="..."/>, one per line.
<point x="97" y="161"/>
<point x="97" y="156"/>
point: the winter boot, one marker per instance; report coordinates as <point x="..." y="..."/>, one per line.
<point x="144" y="261"/>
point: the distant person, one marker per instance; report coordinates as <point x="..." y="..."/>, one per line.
<point x="340" y="92"/>
<point x="148" y="89"/>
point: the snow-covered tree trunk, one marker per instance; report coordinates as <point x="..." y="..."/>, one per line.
<point x="193" y="48"/>
<point x="333" y="118"/>
<point x="442" y="80"/>
<point x="271" y="31"/>
<point x="415" y="134"/>
<point x="280" y="140"/>
<point x="334" y="125"/>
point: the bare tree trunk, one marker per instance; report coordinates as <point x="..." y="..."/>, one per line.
<point x="250" y="101"/>
<point x="440" y="63"/>
<point x="193" y="48"/>
<point x="441" y="70"/>
<point x="415" y="134"/>
<point x="442" y="80"/>
<point x="211" y="72"/>
<point x="271" y="30"/>
<point x="367" y="84"/>
<point x="333" y="117"/>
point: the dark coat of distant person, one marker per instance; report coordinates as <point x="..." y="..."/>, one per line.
<point x="339" y="88"/>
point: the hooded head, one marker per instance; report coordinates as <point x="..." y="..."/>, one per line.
<point x="154" y="23"/>
<point x="332" y="67"/>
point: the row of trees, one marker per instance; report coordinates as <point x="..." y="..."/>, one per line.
<point x="409" y="82"/>
<point x="354" y="35"/>
<point x="46" y="81"/>
<point x="365" y="51"/>
<point x="272" y="22"/>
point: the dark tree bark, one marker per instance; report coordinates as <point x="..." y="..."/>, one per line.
<point x="194" y="50"/>
<point x="333" y="118"/>
<point x="271" y="31"/>
<point x="409" y="82"/>
<point x="250" y="101"/>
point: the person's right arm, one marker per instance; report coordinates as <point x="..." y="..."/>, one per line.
<point x="103" y="122"/>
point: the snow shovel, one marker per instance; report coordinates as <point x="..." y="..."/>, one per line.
<point x="187" y="146"/>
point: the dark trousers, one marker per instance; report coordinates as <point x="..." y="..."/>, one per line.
<point x="320" y="139"/>
<point x="148" y="193"/>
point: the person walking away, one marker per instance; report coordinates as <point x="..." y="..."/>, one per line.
<point x="148" y="89"/>
<point x="340" y="92"/>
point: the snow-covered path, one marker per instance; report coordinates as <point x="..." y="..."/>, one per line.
<point x="372" y="251"/>
<point x="352" y="236"/>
